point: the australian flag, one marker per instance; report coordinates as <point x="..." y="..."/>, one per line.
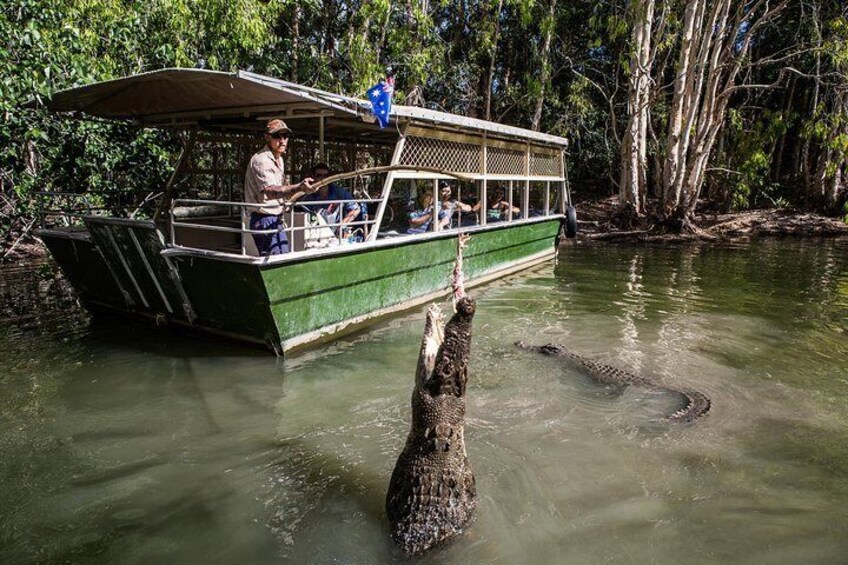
<point x="380" y="96"/>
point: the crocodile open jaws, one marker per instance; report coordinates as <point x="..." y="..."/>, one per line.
<point x="697" y="403"/>
<point x="432" y="493"/>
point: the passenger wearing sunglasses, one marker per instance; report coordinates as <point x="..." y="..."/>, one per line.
<point x="264" y="184"/>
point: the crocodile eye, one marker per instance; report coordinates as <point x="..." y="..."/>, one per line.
<point x="552" y="349"/>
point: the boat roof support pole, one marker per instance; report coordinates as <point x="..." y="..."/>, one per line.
<point x="434" y="216"/>
<point x="547" y="197"/>
<point x="565" y="189"/>
<point x="484" y="204"/>
<point x="168" y="193"/>
<point x="387" y="185"/>
<point x="510" y="202"/>
<point x="525" y="201"/>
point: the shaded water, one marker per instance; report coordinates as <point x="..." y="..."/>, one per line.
<point x="122" y="445"/>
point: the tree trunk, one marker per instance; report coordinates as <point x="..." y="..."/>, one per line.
<point x="686" y="94"/>
<point x="383" y="29"/>
<point x="545" y="74"/>
<point x="712" y="53"/>
<point x="490" y="76"/>
<point x="809" y="181"/>
<point x="777" y="157"/>
<point x="295" y="51"/>
<point x="634" y="150"/>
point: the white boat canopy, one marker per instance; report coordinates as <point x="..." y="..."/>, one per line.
<point x="244" y="100"/>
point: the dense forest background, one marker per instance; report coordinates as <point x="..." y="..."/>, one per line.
<point x="732" y="104"/>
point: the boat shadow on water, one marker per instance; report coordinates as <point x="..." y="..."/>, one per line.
<point x="108" y="331"/>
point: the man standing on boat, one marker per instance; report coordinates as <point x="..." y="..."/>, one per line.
<point x="264" y="184"/>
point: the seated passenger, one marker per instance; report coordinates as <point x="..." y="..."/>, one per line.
<point x="449" y="201"/>
<point x="421" y="217"/>
<point x="455" y="207"/>
<point x="499" y="209"/>
<point x="353" y="212"/>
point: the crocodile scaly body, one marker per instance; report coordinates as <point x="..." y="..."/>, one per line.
<point x="697" y="403"/>
<point x="432" y="493"/>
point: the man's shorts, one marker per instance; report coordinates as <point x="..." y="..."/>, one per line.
<point x="268" y="243"/>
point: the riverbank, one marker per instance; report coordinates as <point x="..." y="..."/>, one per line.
<point x="595" y="222"/>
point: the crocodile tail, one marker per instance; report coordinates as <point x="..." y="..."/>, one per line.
<point x="697" y="405"/>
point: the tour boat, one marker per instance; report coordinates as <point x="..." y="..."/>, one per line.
<point x="191" y="262"/>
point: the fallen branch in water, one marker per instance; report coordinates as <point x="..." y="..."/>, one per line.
<point x="20" y="238"/>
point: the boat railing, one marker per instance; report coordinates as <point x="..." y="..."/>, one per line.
<point x="66" y="209"/>
<point x="305" y="223"/>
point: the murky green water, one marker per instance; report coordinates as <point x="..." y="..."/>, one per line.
<point x="122" y="445"/>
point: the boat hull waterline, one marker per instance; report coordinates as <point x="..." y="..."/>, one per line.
<point x="285" y="303"/>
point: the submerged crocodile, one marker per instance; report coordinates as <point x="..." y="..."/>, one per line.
<point x="432" y="493"/>
<point x="697" y="403"/>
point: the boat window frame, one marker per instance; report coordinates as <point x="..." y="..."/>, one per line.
<point x="478" y="145"/>
<point x="495" y="159"/>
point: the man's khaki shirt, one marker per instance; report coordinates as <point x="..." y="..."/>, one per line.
<point x="264" y="170"/>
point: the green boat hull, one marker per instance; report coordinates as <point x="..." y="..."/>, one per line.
<point x="291" y="301"/>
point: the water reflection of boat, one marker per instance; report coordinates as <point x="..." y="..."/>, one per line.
<point x="193" y="263"/>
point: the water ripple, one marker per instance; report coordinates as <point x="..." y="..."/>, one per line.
<point x="120" y="446"/>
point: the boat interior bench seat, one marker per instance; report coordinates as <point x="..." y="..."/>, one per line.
<point x="204" y="236"/>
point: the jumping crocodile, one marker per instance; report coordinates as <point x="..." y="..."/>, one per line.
<point x="432" y="493"/>
<point x="697" y="403"/>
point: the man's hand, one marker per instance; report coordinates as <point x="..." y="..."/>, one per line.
<point x="351" y="216"/>
<point x="306" y="185"/>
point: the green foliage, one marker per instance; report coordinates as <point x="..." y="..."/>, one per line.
<point x="414" y="49"/>
<point x="753" y="181"/>
<point x="50" y="45"/>
<point x="835" y="46"/>
<point x="748" y="147"/>
<point x="442" y="52"/>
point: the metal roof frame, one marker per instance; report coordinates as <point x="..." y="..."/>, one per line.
<point x="169" y="97"/>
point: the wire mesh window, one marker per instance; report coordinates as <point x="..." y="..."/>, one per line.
<point x="501" y="161"/>
<point x="545" y="165"/>
<point x="442" y="154"/>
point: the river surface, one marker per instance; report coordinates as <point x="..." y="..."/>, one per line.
<point x="124" y="445"/>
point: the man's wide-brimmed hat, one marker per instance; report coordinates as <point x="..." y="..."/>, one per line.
<point x="275" y="125"/>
